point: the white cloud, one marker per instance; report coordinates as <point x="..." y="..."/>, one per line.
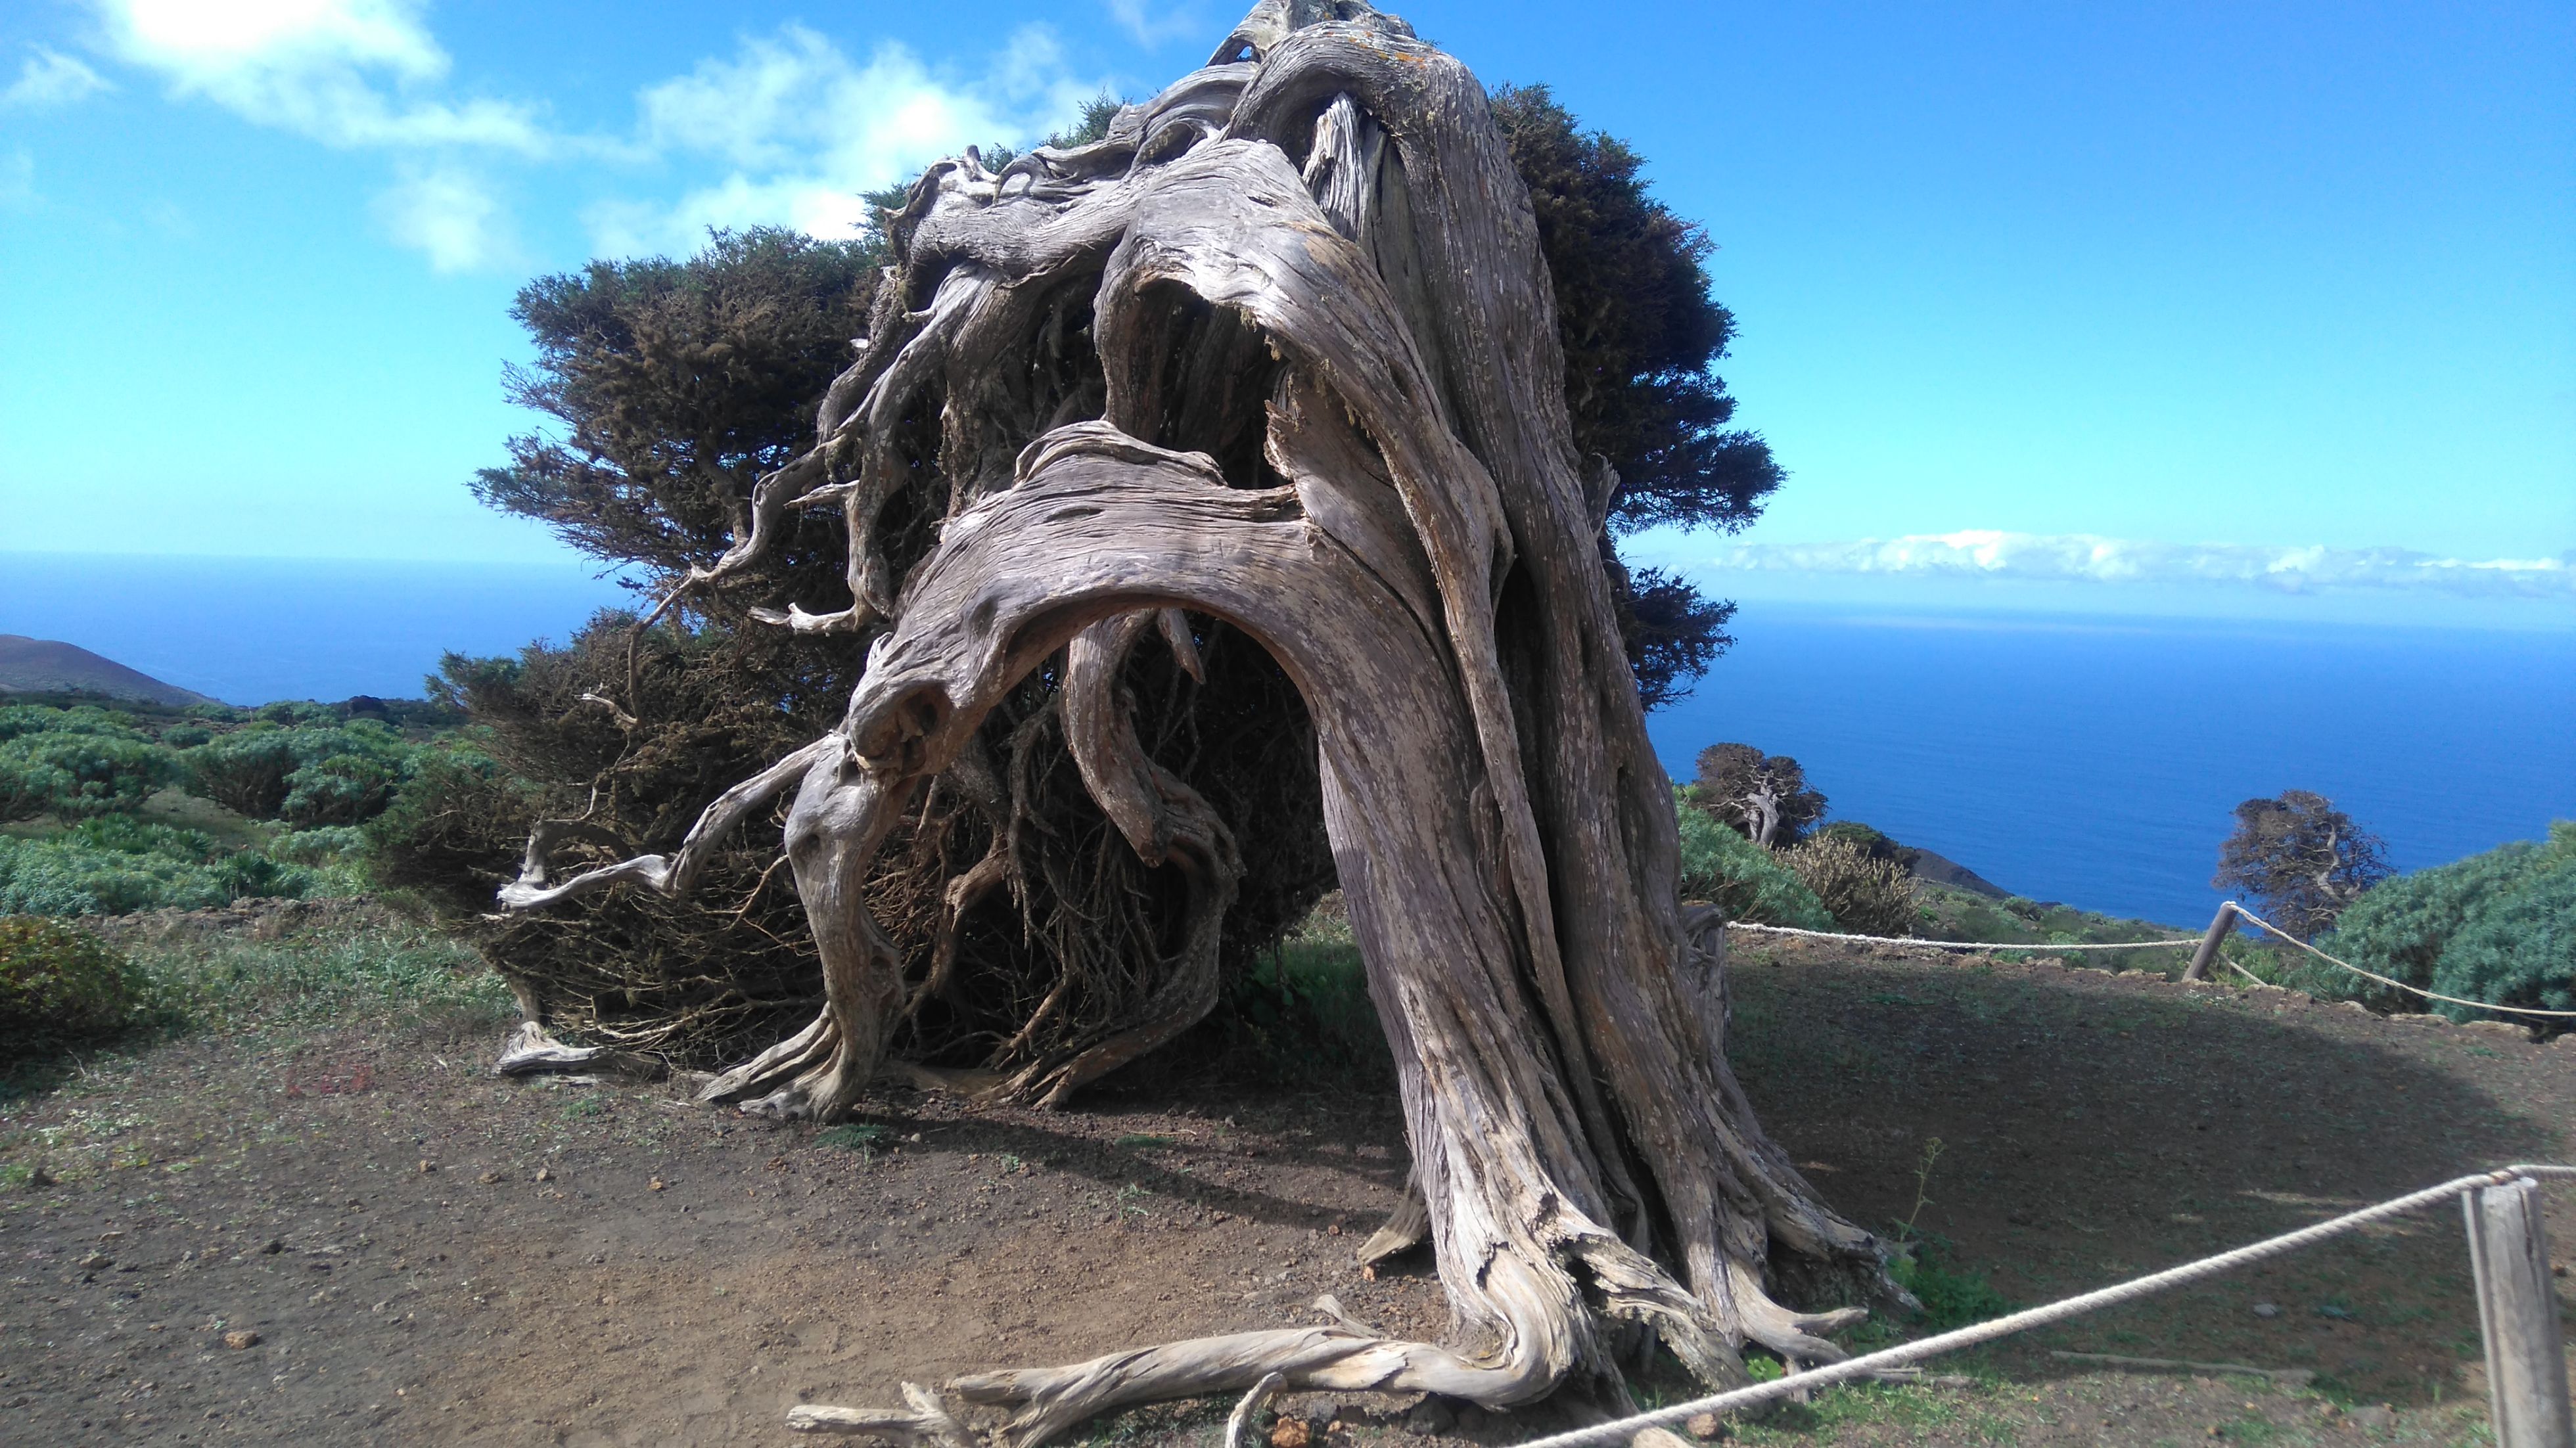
<point x="787" y="131"/>
<point x="49" y="79"/>
<point x="803" y="129"/>
<point x="2085" y="558"/>
<point x="336" y="71"/>
<point x="451" y="218"/>
<point x="1139" y="19"/>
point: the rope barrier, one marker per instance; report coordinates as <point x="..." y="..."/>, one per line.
<point x="2242" y="913"/>
<point x="1601" y="1435"/>
<point x="1962" y="944"/>
<point x="2253" y="919"/>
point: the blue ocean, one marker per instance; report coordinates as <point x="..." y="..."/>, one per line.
<point x="2096" y="760"/>
<point x="249" y="630"/>
<point x="2088" y="760"/>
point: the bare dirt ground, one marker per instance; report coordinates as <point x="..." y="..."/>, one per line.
<point x="414" y="1252"/>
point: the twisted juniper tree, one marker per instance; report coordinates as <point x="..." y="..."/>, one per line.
<point x="1276" y="359"/>
<point x="1037" y="930"/>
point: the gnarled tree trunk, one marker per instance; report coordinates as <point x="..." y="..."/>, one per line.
<point x="1329" y="413"/>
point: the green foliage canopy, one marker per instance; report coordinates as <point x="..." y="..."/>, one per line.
<point x="1642" y="337"/>
<point x="677" y="384"/>
<point x="1738" y="782"/>
<point x="2498" y="927"/>
<point x="306" y="776"/>
<point x="78" y="773"/>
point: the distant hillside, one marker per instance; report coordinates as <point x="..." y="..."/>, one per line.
<point x="1925" y="865"/>
<point x="45" y="666"/>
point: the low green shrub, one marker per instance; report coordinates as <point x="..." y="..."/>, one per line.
<point x="116" y="865"/>
<point x="2400" y="927"/>
<point x="1952" y="1296"/>
<point x="1865" y="894"/>
<point x="335" y="856"/>
<point x="59" y="986"/>
<point x="455" y="830"/>
<point x="307" y="776"/>
<point x="244" y="771"/>
<point x="1743" y="879"/>
<point x="79" y="773"/>
<point x="17" y="721"/>
<point x="2520" y="950"/>
<point x="2498" y="927"/>
<point x="324" y="976"/>
<point x="1301" y="1016"/>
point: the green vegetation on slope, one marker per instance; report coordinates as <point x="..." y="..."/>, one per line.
<point x="111" y="810"/>
<point x="1743" y="879"/>
<point x="63" y="988"/>
<point x="60" y="987"/>
<point x="2498" y="927"/>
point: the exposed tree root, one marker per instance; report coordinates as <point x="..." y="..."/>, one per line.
<point x="926" y="1421"/>
<point x="1239" y="1422"/>
<point x="1404" y="1229"/>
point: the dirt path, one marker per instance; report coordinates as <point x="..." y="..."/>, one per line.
<point x="430" y="1256"/>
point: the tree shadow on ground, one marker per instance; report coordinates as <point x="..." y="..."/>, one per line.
<point x="1307" y="1132"/>
<point x="2094" y="1128"/>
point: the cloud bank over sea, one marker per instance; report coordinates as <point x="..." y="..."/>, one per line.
<point x="2088" y="558"/>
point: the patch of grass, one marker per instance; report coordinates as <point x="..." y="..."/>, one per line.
<point x="1952" y="1297"/>
<point x="383" y="973"/>
<point x="1298" y="1017"/>
<point x="1910" y="1409"/>
<point x="401" y="976"/>
<point x="859" y="1136"/>
<point x="2250" y="1426"/>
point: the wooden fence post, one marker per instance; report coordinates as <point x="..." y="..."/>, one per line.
<point x="2518" y="1314"/>
<point x="2219" y="924"/>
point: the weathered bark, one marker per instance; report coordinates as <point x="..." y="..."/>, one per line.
<point x="1762" y="809"/>
<point x="1313" y="263"/>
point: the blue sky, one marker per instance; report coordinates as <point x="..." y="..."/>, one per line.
<point x="2250" y="301"/>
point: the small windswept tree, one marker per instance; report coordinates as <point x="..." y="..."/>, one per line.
<point x="1766" y="796"/>
<point x="2300" y="859"/>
